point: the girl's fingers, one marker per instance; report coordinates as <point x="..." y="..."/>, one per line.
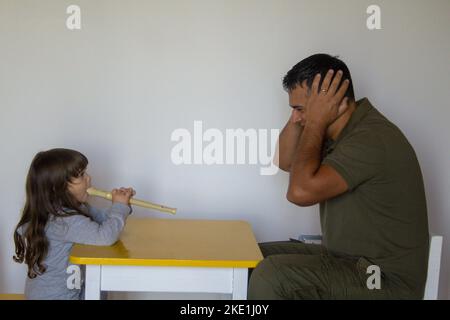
<point x="125" y="191"/>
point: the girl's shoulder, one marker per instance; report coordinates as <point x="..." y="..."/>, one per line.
<point x="66" y="213"/>
<point x="59" y="224"/>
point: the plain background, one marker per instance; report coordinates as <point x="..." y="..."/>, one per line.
<point x="138" y="70"/>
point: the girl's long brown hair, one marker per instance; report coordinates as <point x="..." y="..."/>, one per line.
<point x="46" y="194"/>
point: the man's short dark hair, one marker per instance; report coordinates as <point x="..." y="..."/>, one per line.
<point x="309" y="67"/>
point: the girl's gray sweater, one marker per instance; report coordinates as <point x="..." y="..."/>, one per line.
<point x="62" y="233"/>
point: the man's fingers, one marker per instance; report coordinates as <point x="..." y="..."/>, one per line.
<point x="343" y="106"/>
<point x="335" y="84"/>
<point x="326" y="82"/>
<point x="342" y="90"/>
<point x="315" y="84"/>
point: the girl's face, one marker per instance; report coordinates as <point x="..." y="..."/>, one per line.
<point x="78" y="186"/>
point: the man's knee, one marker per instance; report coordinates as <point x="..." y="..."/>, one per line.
<point x="288" y="277"/>
<point x="264" y="283"/>
<point x="267" y="248"/>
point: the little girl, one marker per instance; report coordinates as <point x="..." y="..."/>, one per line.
<point x="56" y="216"/>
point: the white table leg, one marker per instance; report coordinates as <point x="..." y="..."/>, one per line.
<point x="92" y="282"/>
<point x="240" y="276"/>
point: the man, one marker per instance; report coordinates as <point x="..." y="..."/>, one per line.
<point x="345" y="155"/>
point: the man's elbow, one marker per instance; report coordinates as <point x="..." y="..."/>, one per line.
<point x="285" y="168"/>
<point x="300" y="197"/>
<point x="283" y="165"/>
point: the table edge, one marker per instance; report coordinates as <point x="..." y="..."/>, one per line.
<point x="166" y="262"/>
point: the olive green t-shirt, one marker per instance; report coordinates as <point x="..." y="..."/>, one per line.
<point x="383" y="215"/>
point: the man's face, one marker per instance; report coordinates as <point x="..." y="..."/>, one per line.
<point x="298" y="97"/>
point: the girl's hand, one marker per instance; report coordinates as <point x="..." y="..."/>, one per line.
<point x="122" y="195"/>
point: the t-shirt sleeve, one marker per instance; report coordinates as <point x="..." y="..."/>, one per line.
<point x="357" y="158"/>
<point x="84" y="230"/>
<point x="98" y="215"/>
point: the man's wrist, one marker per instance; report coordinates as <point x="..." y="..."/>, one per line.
<point x="318" y="126"/>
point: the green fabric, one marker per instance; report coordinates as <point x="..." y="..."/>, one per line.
<point x="383" y="216"/>
<point x="294" y="270"/>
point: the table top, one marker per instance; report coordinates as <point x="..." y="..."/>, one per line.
<point x="173" y="242"/>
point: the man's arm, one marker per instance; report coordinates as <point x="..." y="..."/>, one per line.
<point x="310" y="182"/>
<point x="287" y="143"/>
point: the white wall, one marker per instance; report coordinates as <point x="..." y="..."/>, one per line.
<point x="137" y="70"/>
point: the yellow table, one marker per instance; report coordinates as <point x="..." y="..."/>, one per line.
<point x="168" y="255"/>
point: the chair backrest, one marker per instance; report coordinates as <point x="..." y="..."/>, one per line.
<point x="434" y="266"/>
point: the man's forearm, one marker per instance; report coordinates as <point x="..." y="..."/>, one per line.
<point x="308" y="154"/>
<point x="287" y="144"/>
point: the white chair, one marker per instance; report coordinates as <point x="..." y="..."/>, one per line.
<point x="434" y="266"/>
<point x="434" y="263"/>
